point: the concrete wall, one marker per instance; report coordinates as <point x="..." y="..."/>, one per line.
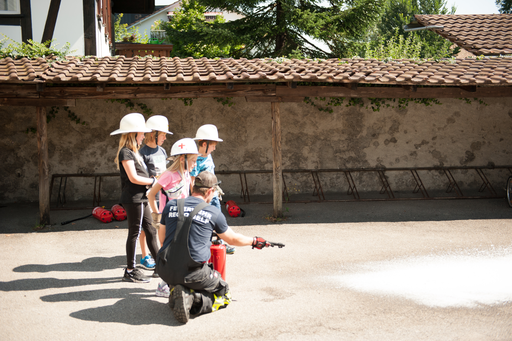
<point x="451" y="134"/>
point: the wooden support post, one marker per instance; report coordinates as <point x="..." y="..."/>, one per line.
<point x="44" y="178"/>
<point x="278" y="171"/>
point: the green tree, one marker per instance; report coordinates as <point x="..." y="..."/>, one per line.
<point x="132" y="35"/>
<point x="310" y="28"/>
<point x="190" y="19"/>
<point x="396" y="47"/>
<point x="396" y="14"/>
<point x="504" y="6"/>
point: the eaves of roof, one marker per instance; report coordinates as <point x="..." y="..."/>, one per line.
<point x="149" y="16"/>
<point x="480" y="34"/>
<point x="123" y="70"/>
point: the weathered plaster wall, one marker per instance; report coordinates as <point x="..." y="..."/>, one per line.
<point x="451" y="134"/>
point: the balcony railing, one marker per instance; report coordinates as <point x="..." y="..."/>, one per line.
<point x="134" y="49"/>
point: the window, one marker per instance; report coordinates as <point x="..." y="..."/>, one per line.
<point x="9" y="5"/>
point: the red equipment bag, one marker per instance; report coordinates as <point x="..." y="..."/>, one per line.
<point x="102" y="214"/>
<point x="218" y="257"/>
<point x="233" y="209"/>
<point x="118" y="212"/>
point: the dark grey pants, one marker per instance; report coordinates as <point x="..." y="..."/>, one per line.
<point x="214" y="291"/>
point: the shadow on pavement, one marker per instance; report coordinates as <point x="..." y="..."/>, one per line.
<point x="48" y="283"/>
<point x="131" y="310"/>
<point x="89" y="264"/>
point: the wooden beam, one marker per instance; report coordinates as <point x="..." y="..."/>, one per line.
<point x="11" y="20"/>
<point x="51" y="20"/>
<point x="89" y="27"/>
<point x="17" y="102"/>
<point x="277" y="169"/>
<point x="469" y="88"/>
<point x="274" y="99"/>
<point x="351" y="86"/>
<point x="243" y="90"/>
<point x="26" y="21"/>
<point x="44" y="173"/>
<point x="147" y="92"/>
<point x="412" y="88"/>
<point x="392" y="92"/>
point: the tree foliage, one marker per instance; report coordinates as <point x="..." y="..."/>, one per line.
<point x="32" y="49"/>
<point x="396" y="47"/>
<point x="192" y="36"/>
<point x="132" y="35"/>
<point x="396" y="14"/>
<point x="310" y="28"/>
<point x="504" y="6"/>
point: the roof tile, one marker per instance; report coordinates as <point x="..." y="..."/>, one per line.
<point x="167" y="70"/>
<point x="480" y="34"/>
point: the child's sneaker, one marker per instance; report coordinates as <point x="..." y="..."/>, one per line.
<point x="162" y="290"/>
<point x="229" y="249"/>
<point x="136" y="276"/>
<point x="147" y="262"/>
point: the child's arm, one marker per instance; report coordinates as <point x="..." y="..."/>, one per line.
<point x="192" y="178"/>
<point x="152" y="197"/>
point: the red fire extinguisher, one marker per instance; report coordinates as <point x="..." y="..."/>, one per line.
<point x="218" y="257"/>
<point x="118" y="212"/>
<point x="233" y="209"/>
<point x="102" y="214"/>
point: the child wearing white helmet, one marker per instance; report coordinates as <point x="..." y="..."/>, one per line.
<point x="134" y="182"/>
<point x="155" y="159"/>
<point x="174" y="183"/>
<point x="208" y="136"/>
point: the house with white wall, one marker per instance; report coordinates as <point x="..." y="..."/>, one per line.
<point x="144" y="24"/>
<point x="85" y="24"/>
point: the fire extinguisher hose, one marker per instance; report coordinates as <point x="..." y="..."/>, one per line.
<point x="70" y="221"/>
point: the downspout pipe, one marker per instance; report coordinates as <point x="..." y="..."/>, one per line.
<point x="432" y="27"/>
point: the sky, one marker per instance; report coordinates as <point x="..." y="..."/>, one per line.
<point x="474" y="6"/>
<point x="463" y="6"/>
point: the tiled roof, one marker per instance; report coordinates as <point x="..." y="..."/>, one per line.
<point x="480" y="34"/>
<point x="123" y="70"/>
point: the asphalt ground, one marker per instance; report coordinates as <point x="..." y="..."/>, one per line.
<point x="381" y="270"/>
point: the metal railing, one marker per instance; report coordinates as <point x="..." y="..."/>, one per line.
<point x="385" y="186"/>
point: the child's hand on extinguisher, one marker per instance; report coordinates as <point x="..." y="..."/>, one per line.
<point x="259" y="243"/>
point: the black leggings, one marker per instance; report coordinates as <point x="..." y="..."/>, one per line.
<point x="139" y="215"/>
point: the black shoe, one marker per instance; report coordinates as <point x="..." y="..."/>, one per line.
<point x="182" y="300"/>
<point x="155" y="274"/>
<point x="135" y="276"/>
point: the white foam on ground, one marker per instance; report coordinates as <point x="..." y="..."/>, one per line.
<point x="463" y="279"/>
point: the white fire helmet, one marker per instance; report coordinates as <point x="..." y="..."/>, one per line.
<point x="132" y="123"/>
<point x="207" y="132"/>
<point x="158" y="123"/>
<point x="184" y="146"/>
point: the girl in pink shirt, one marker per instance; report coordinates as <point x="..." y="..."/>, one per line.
<point x="174" y="183"/>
